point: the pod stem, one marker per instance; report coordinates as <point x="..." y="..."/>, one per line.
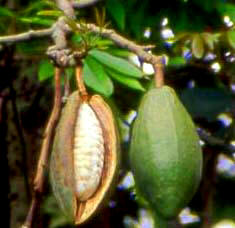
<point x="80" y="83"/>
<point x="159" y="75"/>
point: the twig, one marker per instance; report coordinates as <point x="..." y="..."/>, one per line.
<point x="214" y="141"/>
<point x="44" y="154"/>
<point x="27" y="35"/>
<point x="141" y="51"/>
<point x="83" y="3"/>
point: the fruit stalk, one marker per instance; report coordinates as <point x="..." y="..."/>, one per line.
<point x="44" y="154"/>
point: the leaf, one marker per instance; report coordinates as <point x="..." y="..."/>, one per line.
<point x="197" y="46"/>
<point x="117" y="11"/>
<point x="100" y="16"/>
<point x="116" y="63"/>
<point x="46" y="70"/>
<point x="125" y="80"/>
<point x="4" y="12"/>
<point x="37" y="20"/>
<point x="96" y="78"/>
<point x="38" y="5"/>
<point x="120" y="52"/>
<point x="227" y="9"/>
<point x="231" y="38"/>
<point x="177" y="61"/>
<point x="76" y="38"/>
<point x="54" y="13"/>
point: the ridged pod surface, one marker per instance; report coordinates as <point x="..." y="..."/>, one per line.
<point x="84" y="158"/>
<point x="165" y="154"/>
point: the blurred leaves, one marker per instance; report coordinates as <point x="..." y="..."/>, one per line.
<point x="37" y="21"/>
<point x="206" y="103"/>
<point x="5" y="12"/>
<point x="231" y="38"/>
<point x="46" y="70"/>
<point x="117" y="11"/>
<point x="54" y="13"/>
<point x="227" y="9"/>
<point x="197" y="46"/>
<point x="210" y="39"/>
<point x="177" y="61"/>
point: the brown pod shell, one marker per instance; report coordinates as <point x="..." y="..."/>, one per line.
<point x="62" y="165"/>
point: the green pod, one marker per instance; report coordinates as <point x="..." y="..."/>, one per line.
<point x="165" y="153"/>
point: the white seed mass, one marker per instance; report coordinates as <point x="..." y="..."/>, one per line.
<point x="88" y="152"/>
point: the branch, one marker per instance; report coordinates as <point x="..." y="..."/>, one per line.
<point x="214" y="141"/>
<point x="27" y="35"/>
<point x="40" y="178"/>
<point x="141" y="51"/>
<point x="83" y="3"/>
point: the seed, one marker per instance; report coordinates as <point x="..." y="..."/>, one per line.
<point x="87" y="124"/>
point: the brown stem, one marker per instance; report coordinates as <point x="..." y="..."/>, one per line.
<point x="44" y="155"/>
<point x="159" y="75"/>
<point x="80" y="83"/>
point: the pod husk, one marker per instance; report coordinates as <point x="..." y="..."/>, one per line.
<point x="61" y="166"/>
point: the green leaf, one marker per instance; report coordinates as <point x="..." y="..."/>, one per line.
<point x="116" y="63"/>
<point x="4" y="12"/>
<point x="37" y="20"/>
<point x="76" y="38"/>
<point x="103" y="43"/>
<point x="197" y="46"/>
<point x="231" y="38"/>
<point x="96" y="78"/>
<point x="53" y="13"/>
<point x="177" y="61"/>
<point x="117" y="11"/>
<point x="46" y="70"/>
<point x="38" y="5"/>
<point x="119" y="52"/>
<point x="125" y="80"/>
<point x="227" y="9"/>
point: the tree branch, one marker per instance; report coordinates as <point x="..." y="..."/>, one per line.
<point x="141" y="51"/>
<point x="27" y="35"/>
<point x="214" y="141"/>
<point x="40" y="178"/>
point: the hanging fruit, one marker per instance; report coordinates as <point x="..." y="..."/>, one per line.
<point x="84" y="159"/>
<point x="165" y="154"/>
